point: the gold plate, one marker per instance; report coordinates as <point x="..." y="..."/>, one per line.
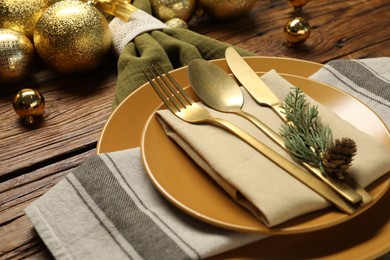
<point x="188" y="187"/>
<point x="124" y="127"/>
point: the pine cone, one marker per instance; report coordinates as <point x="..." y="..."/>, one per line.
<point x="338" y="158"/>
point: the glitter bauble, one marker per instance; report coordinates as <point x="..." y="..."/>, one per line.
<point x="176" y="23"/>
<point x="29" y="103"/>
<point x="72" y="37"/>
<point x="21" y="15"/>
<point x="16" y="56"/>
<point x="297" y="31"/>
<point x="168" y="9"/>
<point x="226" y="9"/>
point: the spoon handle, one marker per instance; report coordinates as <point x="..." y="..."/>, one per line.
<point x="340" y="188"/>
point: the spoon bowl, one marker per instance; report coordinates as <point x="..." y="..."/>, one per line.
<point x="221" y="92"/>
<point x="216" y="88"/>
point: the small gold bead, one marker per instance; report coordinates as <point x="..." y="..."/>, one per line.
<point x="297" y="31"/>
<point x="29" y="103"/>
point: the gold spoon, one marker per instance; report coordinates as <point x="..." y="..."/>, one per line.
<point x="219" y="91"/>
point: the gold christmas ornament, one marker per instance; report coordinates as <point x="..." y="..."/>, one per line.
<point x="168" y="9"/>
<point x="176" y="23"/>
<point x="29" y="103"/>
<point x="297" y="31"/>
<point x="72" y="36"/>
<point x="226" y="9"/>
<point x="298" y="4"/>
<point x="16" y="56"/>
<point x="21" y="15"/>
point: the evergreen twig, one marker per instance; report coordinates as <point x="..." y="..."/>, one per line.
<point x="304" y="135"/>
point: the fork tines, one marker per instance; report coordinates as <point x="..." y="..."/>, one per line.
<point x="173" y="96"/>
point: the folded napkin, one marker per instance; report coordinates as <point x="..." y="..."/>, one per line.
<point x="253" y="180"/>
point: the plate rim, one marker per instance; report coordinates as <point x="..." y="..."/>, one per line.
<point x="340" y="218"/>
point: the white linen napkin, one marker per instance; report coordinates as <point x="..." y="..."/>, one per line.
<point x="108" y="209"/>
<point x="275" y="195"/>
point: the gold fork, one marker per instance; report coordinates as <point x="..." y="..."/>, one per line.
<point x="184" y="107"/>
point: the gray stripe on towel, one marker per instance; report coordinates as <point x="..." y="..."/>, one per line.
<point x="138" y="229"/>
<point x="113" y="234"/>
<point x="137" y="197"/>
<point x="363" y="77"/>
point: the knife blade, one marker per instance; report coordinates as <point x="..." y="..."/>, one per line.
<point x="252" y="82"/>
<point x="260" y="92"/>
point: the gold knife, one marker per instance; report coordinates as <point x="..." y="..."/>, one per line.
<point x="252" y="82"/>
<point x="260" y="92"/>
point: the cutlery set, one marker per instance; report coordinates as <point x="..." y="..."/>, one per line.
<point x="352" y="191"/>
<point x="220" y="91"/>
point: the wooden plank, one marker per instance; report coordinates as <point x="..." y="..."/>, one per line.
<point x="21" y="240"/>
<point x="76" y="111"/>
<point x="19" y="192"/>
<point x="339" y="28"/>
<point x="18" y="238"/>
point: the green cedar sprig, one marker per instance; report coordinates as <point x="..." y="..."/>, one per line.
<point x="304" y="135"/>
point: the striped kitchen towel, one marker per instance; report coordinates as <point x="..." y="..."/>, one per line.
<point x="366" y="79"/>
<point x="108" y="209"/>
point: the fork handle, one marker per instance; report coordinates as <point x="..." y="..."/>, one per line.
<point x="339" y="187"/>
<point x="309" y="180"/>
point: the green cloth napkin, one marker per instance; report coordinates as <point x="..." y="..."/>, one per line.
<point x="171" y="47"/>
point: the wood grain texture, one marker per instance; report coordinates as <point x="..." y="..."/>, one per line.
<point x="339" y="29"/>
<point x="76" y="110"/>
<point x="34" y="159"/>
<point x="18" y="238"/>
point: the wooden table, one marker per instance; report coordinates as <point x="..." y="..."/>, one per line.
<point x="33" y="159"/>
